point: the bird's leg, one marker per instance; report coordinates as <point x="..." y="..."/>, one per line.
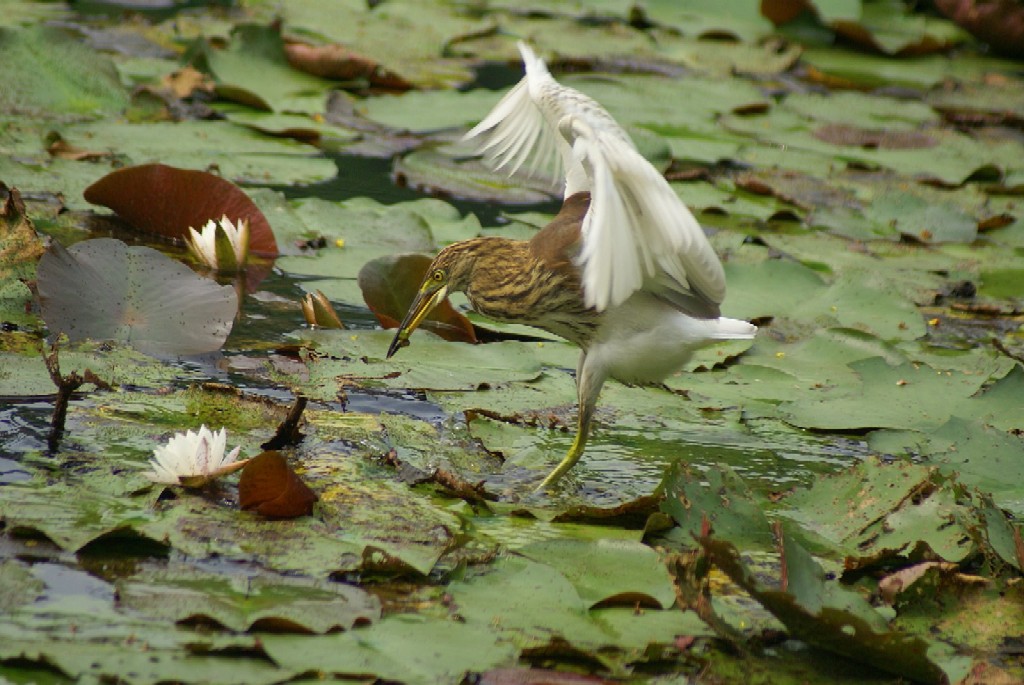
<point x="589" y="380"/>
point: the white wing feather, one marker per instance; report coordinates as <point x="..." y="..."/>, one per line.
<point x="637" y="233"/>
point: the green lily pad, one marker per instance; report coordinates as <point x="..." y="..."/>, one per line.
<point x="422" y="31"/>
<point x="59" y="77"/>
<point x="608" y="572"/>
<point x="980" y="456"/>
<point x="248" y="603"/>
<point x="428" y="363"/>
<point x="529" y="603"/>
<point x="903" y="396"/>
<point x="403" y="648"/>
<point x="432" y="171"/>
<point x="874" y="511"/>
<point x="832" y="617"/>
<point x="720" y="498"/>
<point x="253" y="70"/>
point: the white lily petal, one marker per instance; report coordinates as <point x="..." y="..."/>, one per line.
<point x="204" y="244"/>
<point x="189" y="455"/>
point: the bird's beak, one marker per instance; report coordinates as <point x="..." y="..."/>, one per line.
<point x="426" y="300"/>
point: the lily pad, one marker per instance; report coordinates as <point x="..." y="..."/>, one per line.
<point x="254" y="70"/>
<point x="58" y="77"/>
<point x="167" y="201"/>
<point x="832" y="617"/>
<point x="608" y="572"/>
<point x="390" y="284"/>
<point x="105" y="290"/>
<point x="241" y="603"/>
<point x="406" y="648"/>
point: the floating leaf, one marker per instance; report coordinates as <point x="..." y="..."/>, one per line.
<point x="404" y="647"/>
<point x="389" y="286"/>
<point x="105" y="290"/>
<point x="341" y="63"/>
<point x="718" y="496"/>
<point x="262" y="601"/>
<point x="838" y="619"/>
<point x="270" y="487"/>
<point x="57" y="76"/>
<point x="160" y="199"/>
<point x="254" y="70"/>
<point x="607" y="572"/>
<point x="1000" y="23"/>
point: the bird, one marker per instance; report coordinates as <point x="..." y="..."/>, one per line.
<point x="624" y="270"/>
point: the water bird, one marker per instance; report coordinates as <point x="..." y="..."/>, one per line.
<point x="624" y="270"/>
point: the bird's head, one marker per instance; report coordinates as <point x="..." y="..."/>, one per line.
<point x="449" y="272"/>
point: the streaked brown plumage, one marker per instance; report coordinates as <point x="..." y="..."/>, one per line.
<point x="624" y="270"/>
<point x="532" y="282"/>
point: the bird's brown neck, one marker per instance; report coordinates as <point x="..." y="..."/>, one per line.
<point x="535" y="282"/>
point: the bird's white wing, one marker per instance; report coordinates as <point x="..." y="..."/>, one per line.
<point x="637" y="232"/>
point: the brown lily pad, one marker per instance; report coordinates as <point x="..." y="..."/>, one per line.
<point x="854" y="136"/>
<point x="270" y="487"/>
<point x="390" y="285"/>
<point x="160" y="199"/>
<point x="1000" y="23"/>
<point x="342" y="64"/>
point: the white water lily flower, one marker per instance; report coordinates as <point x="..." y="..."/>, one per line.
<point x="193" y="459"/>
<point x="222" y="245"/>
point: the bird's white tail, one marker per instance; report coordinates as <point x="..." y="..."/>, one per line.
<point x="734" y="329"/>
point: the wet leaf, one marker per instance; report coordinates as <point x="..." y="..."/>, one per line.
<point x="260" y="601"/>
<point x="57" y="76"/>
<point x="536" y="607"/>
<point x="904" y="396"/>
<point x="255" y="71"/>
<point x="717" y="497"/>
<point x="390" y="284"/>
<point x="74" y="514"/>
<point x="609" y="572"/>
<point x="406" y="648"/>
<point x="436" y="173"/>
<point x="429" y="362"/>
<point x="17" y="585"/>
<point x="999" y="23"/>
<point x="876" y="511"/>
<point x="271" y="488"/>
<point x="340" y="63"/>
<point x="1005" y="537"/>
<point x="838" y="619"/>
<point x="980" y="456"/>
<point x="167" y="201"/>
<point x="373" y="31"/>
<point x="103" y="289"/>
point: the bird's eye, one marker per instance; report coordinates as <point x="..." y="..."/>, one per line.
<point x="438" y="276"/>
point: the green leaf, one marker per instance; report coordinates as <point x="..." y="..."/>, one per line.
<point x="529" y="603"/>
<point x="58" y="76"/>
<point x="832" y="617"/>
<point x="253" y="70"/>
<point x="259" y="601"/>
<point x="719" y="496"/>
<point x="979" y="456"/>
<point x="608" y="572"/>
<point x="903" y="396"/>
<point x="403" y="648"/>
